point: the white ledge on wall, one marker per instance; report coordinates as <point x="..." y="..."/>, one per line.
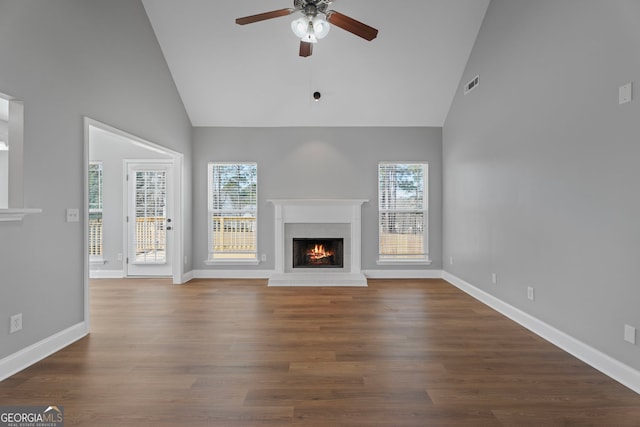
<point x="17" y="214"/>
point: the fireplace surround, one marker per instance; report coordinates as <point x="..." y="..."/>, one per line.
<point x="320" y="219"/>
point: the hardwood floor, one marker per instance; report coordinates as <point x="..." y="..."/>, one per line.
<point x="237" y="353"/>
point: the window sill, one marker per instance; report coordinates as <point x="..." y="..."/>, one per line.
<point x="424" y="261"/>
<point x="232" y="262"/>
<point x="17" y="214"/>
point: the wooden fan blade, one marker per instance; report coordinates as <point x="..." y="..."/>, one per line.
<point x="306" y="49"/>
<point x="351" y="25"/>
<point x="264" y="16"/>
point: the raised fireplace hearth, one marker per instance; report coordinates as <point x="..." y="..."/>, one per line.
<point x="318" y="243"/>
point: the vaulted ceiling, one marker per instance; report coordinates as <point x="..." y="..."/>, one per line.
<point x="232" y="75"/>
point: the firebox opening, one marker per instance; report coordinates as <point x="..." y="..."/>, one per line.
<point x="318" y="253"/>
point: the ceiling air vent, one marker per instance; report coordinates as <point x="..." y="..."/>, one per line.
<point x="471" y="85"/>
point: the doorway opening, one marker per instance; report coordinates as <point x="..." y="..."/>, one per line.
<point x="134" y="226"/>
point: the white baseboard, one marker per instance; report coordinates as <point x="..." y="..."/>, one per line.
<point x="187" y="276"/>
<point x="232" y="274"/>
<point x="620" y="372"/>
<point x="26" y="357"/>
<point x="106" y="274"/>
<point x="265" y="274"/>
<point x="403" y="274"/>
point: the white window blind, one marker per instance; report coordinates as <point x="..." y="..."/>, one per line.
<point x="403" y="212"/>
<point x="150" y="217"/>
<point x="233" y="208"/>
<point x="95" y="209"/>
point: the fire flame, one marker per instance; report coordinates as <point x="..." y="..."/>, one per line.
<point x="318" y="252"/>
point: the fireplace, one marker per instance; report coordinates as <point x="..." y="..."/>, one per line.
<point x="318" y="253"/>
<point x="320" y="226"/>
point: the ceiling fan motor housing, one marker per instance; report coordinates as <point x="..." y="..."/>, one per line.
<point x="310" y="11"/>
<point x="312" y="7"/>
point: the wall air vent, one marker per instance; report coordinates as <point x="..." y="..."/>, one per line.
<point x="471" y="85"/>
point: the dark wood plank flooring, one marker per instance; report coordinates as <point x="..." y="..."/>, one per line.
<point x="237" y="353"/>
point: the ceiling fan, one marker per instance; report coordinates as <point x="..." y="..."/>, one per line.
<point x="313" y="26"/>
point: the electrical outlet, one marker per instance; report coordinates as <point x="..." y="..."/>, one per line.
<point x="624" y="93"/>
<point x="119" y="257"/>
<point x="263" y="258"/>
<point x="531" y="293"/>
<point x="630" y="334"/>
<point x="15" y="323"/>
<point x="494" y="278"/>
<point x="186" y="260"/>
<point x="451" y="260"/>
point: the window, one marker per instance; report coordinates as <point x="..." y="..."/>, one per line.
<point x="11" y="152"/>
<point x="403" y="212"/>
<point x="233" y="208"/>
<point x="95" y="210"/>
<point x="4" y="153"/>
<point x="11" y="160"/>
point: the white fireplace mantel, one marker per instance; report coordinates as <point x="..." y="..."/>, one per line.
<point x="318" y="211"/>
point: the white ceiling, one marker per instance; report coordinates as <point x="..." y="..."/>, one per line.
<point x="232" y="75"/>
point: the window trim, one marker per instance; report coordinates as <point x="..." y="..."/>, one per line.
<point x="228" y="261"/>
<point x="424" y="259"/>
<point x="15" y="210"/>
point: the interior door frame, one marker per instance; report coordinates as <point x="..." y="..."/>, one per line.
<point x="177" y="267"/>
<point x="126" y="188"/>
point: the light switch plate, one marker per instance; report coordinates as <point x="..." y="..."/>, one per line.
<point x="73" y="215"/>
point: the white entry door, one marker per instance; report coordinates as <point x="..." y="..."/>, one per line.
<point x="149" y="222"/>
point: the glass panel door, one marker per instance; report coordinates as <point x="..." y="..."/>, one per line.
<point x="149" y="221"/>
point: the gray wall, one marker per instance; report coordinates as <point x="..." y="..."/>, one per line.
<point x="317" y="163"/>
<point x="541" y="167"/>
<point x="66" y="59"/>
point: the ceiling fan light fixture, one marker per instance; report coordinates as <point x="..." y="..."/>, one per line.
<point x="321" y="27"/>
<point x="310" y="37"/>
<point x="310" y="30"/>
<point x="300" y="27"/>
